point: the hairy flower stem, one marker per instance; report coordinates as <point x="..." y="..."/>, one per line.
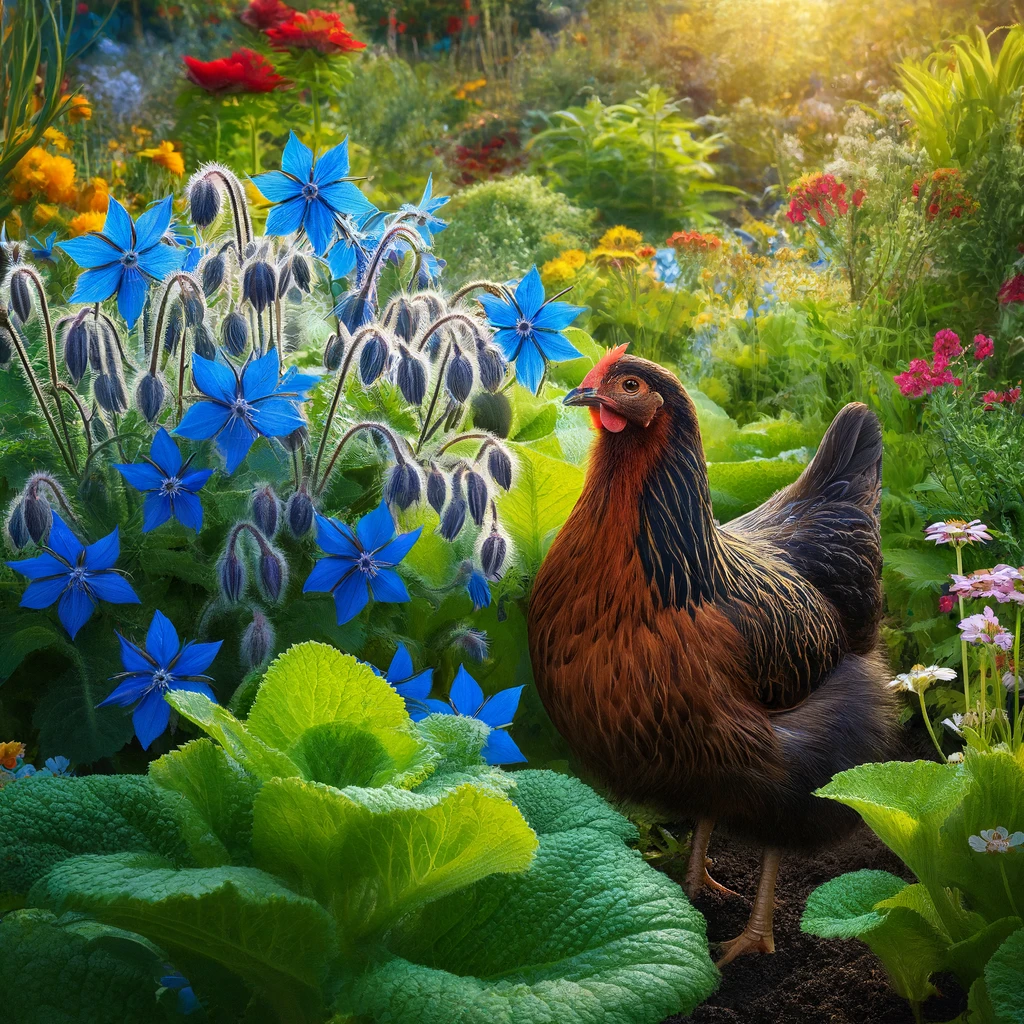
<point x="928" y="726"/>
<point x="247" y="528"/>
<point x="377" y="428"/>
<point x="37" y="390"/>
<point x="984" y="724"/>
<point x="184" y="283"/>
<point x="239" y="207"/>
<point x="425" y="431"/>
<point x="181" y="376"/>
<point x="488" y="286"/>
<point x="459" y="318"/>
<point x="278" y="329"/>
<point x="83" y="412"/>
<point x="963" y="642"/>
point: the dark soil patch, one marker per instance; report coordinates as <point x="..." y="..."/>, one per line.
<point x="807" y="980"/>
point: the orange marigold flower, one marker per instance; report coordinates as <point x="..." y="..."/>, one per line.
<point x="95" y="197"/>
<point x="693" y="243"/>
<point x="83" y="223"/>
<point x="322" y="31"/>
<point x="57" y="138"/>
<point x="79" y="110"/>
<point x="9" y="754"/>
<point x="645" y="252"/>
<point x="44" y="213"/>
<point x="39" y="173"/>
<point x="166" y="156"/>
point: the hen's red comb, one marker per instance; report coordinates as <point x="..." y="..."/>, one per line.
<point x="603" y="365"/>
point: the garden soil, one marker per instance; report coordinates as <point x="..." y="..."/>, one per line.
<point x="807" y="980"/>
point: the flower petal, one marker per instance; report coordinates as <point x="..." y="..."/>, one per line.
<point x="234" y="442"/>
<point x="439" y="707"/>
<point x="297" y="159"/>
<point x="387" y="586"/>
<point x="529" y="366"/>
<point x="193" y="687"/>
<point x="335" y="537"/>
<point x="156" y="510"/>
<point x="555" y="347"/>
<point x="418" y="686"/>
<point x="195" y="479"/>
<point x="401" y="665"/>
<point x="500" y="748"/>
<point x="203" y="420"/>
<point x="133" y="657"/>
<point x="63" y="542"/>
<point x="141" y="475"/>
<point x="42" y="593"/>
<point x="393" y="553"/>
<point x="195" y="658"/>
<point x="499" y="312"/>
<point x="319" y="225"/>
<point x="91" y="251"/>
<point x="530" y="293"/>
<point x="164" y="452"/>
<point x="277" y="187"/>
<point x="261" y="377"/>
<point x="351" y="597"/>
<point x="161" y="260"/>
<point x="113" y="588"/>
<point x="465" y="694"/>
<point x="150" y="718"/>
<point x="129" y="690"/>
<point x="98" y="285"/>
<point x="276" y="417"/>
<point x="332" y="164"/>
<point x="499" y="710"/>
<point x="215" y="379"/>
<point x="327" y="574"/>
<point x="287" y="217"/>
<point x="103" y="554"/>
<point x="74" y="609"/>
<point x="131" y="295"/>
<point x="188" y="510"/>
<point x="40" y="566"/>
<point x="376" y="528"/>
<point x="118" y="226"/>
<point x="150" y="227"/>
<point x="508" y="341"/>
<point x="556" y="316"/>
<point x="345" y="197"/>
<point x="162" y="641"/>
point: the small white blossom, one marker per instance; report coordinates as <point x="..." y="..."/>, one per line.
<point x="995" y="840"/>
<point x="920" y="677"/>
<point x="957" y="757"/>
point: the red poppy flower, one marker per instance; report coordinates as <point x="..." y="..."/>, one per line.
<point x="243" y="71"/>
<point x="264" y="14"/>
<point x="322" y="31"/>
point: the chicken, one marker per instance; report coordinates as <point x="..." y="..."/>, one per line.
<point x="717" y="673"/>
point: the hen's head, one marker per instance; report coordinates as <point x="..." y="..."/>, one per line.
<point x="628" y="394"/>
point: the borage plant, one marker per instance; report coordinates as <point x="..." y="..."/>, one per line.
<point x="211" y="395"/>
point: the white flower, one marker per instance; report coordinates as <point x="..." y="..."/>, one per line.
<point x="957" y="532"/>
<point x="1008" y="681"/>
<point x="954" y="723"/>
<point x="995" y="840"/>
<point x="920" y="677"/>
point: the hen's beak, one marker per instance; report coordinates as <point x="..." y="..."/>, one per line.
<point x="582" y="396"/>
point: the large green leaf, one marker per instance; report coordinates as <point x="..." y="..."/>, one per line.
<point x="844" y="907"/>
<point x="544" y="494"/>
<point x="239" y="917"/>
<point x="67" y="972"/>
<point x="44" y="820"/>
<point x="591" y="934"/>
<point x="1004" y="979"/>
<point x="374" y="854"/>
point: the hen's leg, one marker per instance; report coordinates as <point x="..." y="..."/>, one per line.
<point x="697" y="876"/>
<point x="757" y="936"/>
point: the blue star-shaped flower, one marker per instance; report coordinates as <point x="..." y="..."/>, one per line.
<point x="356" y="243"/>
<point x="43" y="251"/>
<point x="479" y="590"/>
<point x="411" y="685"/>
<point x="467" y="698"/>
<point x="164" y="665"/>
<point x="238" y="408"/>
<point x="361" y="562"/>
<point x="421" y="214"/>
<point x="528" y="328"/>
<point x="188" y="1001"/>
<point x="183" y="236"/>
<point x="169" y="484"/>
<point x="310" y="193"/>
<point x="75" y="576"/>
<point x="124" y="258"/>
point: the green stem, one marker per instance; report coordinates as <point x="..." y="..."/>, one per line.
<point x="963" y="642"/>
<point x="1006" y="886"/>
<point x="314" y="97"/>
<point x="928" y="726"/>
<point x="1015" y="727"/>
<point x="984" y="686"/>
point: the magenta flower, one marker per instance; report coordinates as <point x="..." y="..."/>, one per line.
<point x="1004" y="583"/>
<point x="985" y="629"/>
<point x="946" y="346"/>
<point x="958" y="532"/>
<point x="983" y="347"/>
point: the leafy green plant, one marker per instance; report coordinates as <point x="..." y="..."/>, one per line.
<point x="326" y="855"/>
<point x="948" y="824"/>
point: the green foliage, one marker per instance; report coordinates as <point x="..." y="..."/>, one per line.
<point x="1004" y="979"/>
<point x="962" y="907"/>
<point x="267" y="885"/>
<point x="500" y="228"/>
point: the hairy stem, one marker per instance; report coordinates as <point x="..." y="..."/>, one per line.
<point x="377" y="428"/>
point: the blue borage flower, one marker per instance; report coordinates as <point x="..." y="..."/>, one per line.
<point x="360" y="563"/>
<point x="528" y="328"/>
<point x="421" y="214"/>
<point x="412" y="686"/>
<point x="479" y="590"/>
<point x="467" y="698"/>
<point x="75" y="576"/>
<point x="238" y="408"/>
<point x="43" y="251"/>
<point x="124" y="258"/>
<point x="311" y="193"/>
<point x="357" y="239"/>
<point x="164" y="665"/>
<point x="188" y="1002"/>
<point x="169" y="484"/>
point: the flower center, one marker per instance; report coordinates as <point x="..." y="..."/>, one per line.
<point x="241" y="408"/>
<point x="162" y="679"/>
<point x="130" y="259"/>
<point x="309" y="192"/>
<point x="77" y="577"/>
<point x="170" y="485"/>
<point x="366" y="564"/>
<point x="524" y="327"/>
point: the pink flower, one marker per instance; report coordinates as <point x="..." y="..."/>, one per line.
<point x="946" y="603"/>
<point x="1012" y="290"/>
<point x="983" y="347"/>
<point x="1000" y="583"/>
<point x="985" y="629"/>
<point x="947" y="346"/>
<point x="957" y="532"/>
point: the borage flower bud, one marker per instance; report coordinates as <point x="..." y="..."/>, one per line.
<point x="492" y="367"/>
<point x="265" y="510"/>
<point x="473" y="642"/>
<point x="203" y="342"/>
<point x="499" y="465"/>
<point x="334" y="352"/>
<point x="372" y="358"/>
<point x="273" y="574"/>
<point x="174" y="329"/>
<point x="213" y="274"/>
<point x="257" y="642"/>
<point x="16" y="530"/>
<point x="453" y="518"/>
<point x="400" y="318"/>
<point x="231" y="575"/>
<point x="411" y="377"/>
<point x="234" y="333"/>
<point x="195" y="309"/>
<point x="492" y="554"/>
<point x="403" y="486"/>
<point x="110" y="392"/>
<point x="437" y="488"/>
<point x="76" y="347"/>
<point x="298" y="513"/>
<point x="21" y="296"/>
<point x="296" y="440"/>
<point x="259" y="284"/>
<point x="204" y="202"/>
<point x="37" y="514"/>
<point x="476" y="494"/>
<point x="459" y="376"/>
<point x="492" y="412"/>
<point x="301" y="273"/>
<point x="149" y="396"/>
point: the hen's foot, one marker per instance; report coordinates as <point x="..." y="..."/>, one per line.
<point x="697" y="879"/>
<point x="750" y="940"/>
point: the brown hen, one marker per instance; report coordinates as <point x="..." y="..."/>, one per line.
<point x="717" y="673"/>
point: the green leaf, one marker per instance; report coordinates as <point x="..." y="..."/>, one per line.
<point x="54" y="972"/>
<point x="967" y="959"/>
<point x="911" y="950"/>
<point x="20" y="644"/>
<point x="544" y="494"/>
<point x="45" y="820"/>
<point x="457" y="740"/>
<point x="738" y="487"/>
<point x="214" y="801"/>
<point x="312" y="684"/>
<point x="239" y="917"/>
<point x="590" y="933"/>
<point x="1004" y="979"/>
<point x="844" y="907"/>
<point x="374" y="854"/>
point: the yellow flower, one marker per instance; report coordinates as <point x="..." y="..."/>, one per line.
<point x="58" y="138"/>
<point x="9" y="754"/>
<point x="95" y="197"/>
<point x="44" y="213"/>
<point x="83" y="223"/>
<point x="620" y="238"/>
<point x="557" y="273"/>
<point x="574" y="257"/>
<point x="467" y="87"/>
<point x="41" y="173"/>
<point x="166" y="156"/>
<point x="113" y="145"/>
<point x="79" y="110"/>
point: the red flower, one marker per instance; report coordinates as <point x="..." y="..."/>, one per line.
<point x="264" y="14"/>
<point x="983" y="347"/>
<point x="822" y="196"/>
<point x="322" y="31"/>
<point x="454" y="26"/>
<point x="243" y="71"/>
<point x="946" y="347"/>
<point x="922" y="378"/>
<point x="1012" y="290"/>
<point x="693" y="242"/>
<point x="945" y="192"/>
<point x="946" y="603"/>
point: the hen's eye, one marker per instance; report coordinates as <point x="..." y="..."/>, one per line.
<point x="631" y="385"/>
